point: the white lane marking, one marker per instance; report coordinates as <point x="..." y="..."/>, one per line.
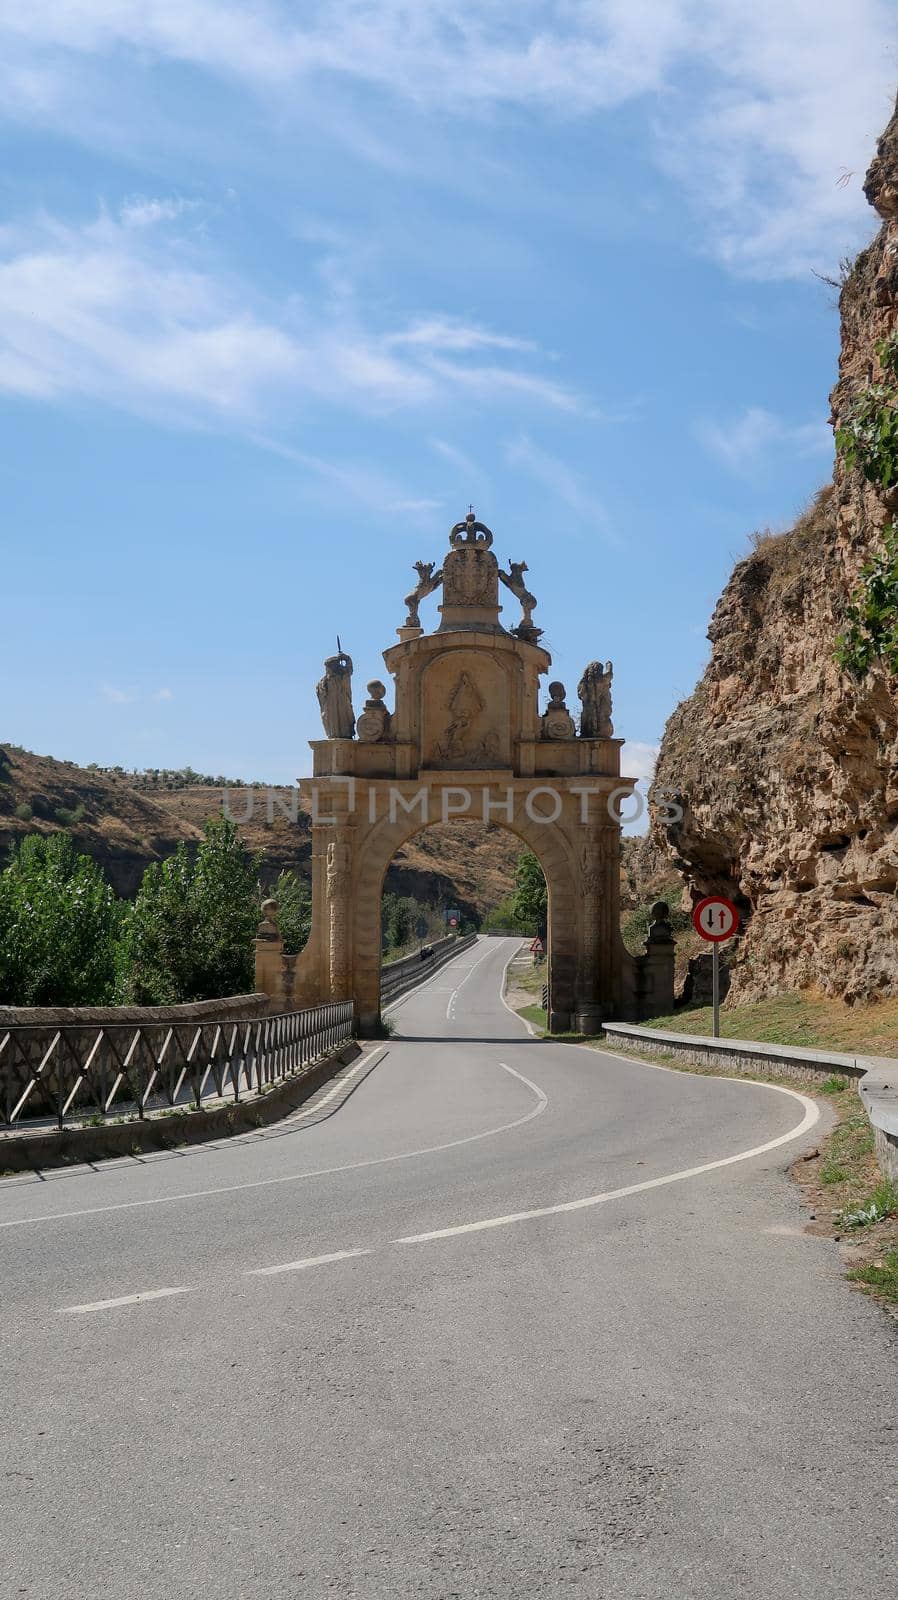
<point x="540" y="1093"/>
<point x="293" y="1177"/>
<point x="123" y="1300"/>
<point x="299" y="1266"/>
<point x="450" y="1009"/>
<point x="366" y="1061"/>
<point x="442" y="972"/>
<point x="811" y="1115"/>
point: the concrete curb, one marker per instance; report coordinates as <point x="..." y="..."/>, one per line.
<point x="876" y="1077"/>
<point x="23" y="1152"/>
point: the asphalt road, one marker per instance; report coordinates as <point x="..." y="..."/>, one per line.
<point x="471" y="1324"/>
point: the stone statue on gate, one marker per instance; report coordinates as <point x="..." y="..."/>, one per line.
<point x="513" y="579"/>
<point x="428" y="581"/>
<point x="334" y="692"/>
<point x="594" y="690"/>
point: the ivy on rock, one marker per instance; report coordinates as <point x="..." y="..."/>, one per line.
<point x="872" y="631"/>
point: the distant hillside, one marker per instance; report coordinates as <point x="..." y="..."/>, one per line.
<point x="125" y="821"/>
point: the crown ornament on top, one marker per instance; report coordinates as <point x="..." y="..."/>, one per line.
<point x="470" y="532"/>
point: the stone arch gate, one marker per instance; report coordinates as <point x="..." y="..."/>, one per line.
<point x="467" y="739"/>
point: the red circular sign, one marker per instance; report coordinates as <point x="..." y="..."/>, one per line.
<point x="715" y="918"/>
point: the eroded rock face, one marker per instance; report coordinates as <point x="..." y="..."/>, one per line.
<point x="787" y="767"/>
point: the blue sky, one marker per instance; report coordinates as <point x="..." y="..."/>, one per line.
<point x="284" y="287"/>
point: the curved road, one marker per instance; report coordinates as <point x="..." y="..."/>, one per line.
<point x="470" y="1324"/>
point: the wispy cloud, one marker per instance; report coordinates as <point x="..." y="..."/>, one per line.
<point x="458" y="458"/>
<point x="445" y="333"/>
<point x="111" y="311"/>
<point x="116" y="697"/>
<point x="162" y="694"/>
<point x="561" y="481"/>
<point x="143" y="212"/>
<point x="784" y="106"/>
<point x="368" y="486"/>
<point x="744" y="443"/>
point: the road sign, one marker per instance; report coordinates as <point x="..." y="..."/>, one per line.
<point x="453" y="920"/>
<point x="715" y="918"/>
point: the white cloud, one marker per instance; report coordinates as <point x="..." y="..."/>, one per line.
<point x="445" y="333"/>
<point x="141" y="212"/>
<point x="747" y="440"/>
<point x="162" y="694"/>
<point x="116" y="697"/>
<point x="562" y="482"/>
<point x="756" y="112"/>
<point x="117" y="312"/>
<point x="638" y="759"/>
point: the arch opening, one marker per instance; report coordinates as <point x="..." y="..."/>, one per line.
<point x="560" y="945"/>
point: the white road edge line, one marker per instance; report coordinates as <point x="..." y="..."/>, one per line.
<point x="299" y="1266"/>
<point x="811" y="1115"/>
<point x="366" y="1061"/>
<point x="292" y="1177"/>
<point x="122" y="1300"/>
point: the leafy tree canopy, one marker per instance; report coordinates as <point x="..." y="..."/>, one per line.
<point x="189" y="934"/>
<point x="59" y="924"/>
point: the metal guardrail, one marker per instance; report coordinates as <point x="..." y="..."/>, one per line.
<point x="399" y="976"/>
<point x="130" y="1069"/>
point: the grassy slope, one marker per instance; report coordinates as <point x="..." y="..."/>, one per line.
<point x="800" y="1019"/>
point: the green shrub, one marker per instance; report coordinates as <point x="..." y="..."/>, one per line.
<point x="872" y="631"/>
<point x="503" y="916"/>
<point x="69" y="817"/>
<point x="24" y="812"/>
<point x="868" y="437"/>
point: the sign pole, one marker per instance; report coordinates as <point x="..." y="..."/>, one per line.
<point x="716" y="919"/>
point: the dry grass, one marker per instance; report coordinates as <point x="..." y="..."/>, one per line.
<point x="808" y="1019"/>
<point x="785" y="550"/>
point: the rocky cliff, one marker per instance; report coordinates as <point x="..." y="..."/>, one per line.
<point x="785" y="763"/>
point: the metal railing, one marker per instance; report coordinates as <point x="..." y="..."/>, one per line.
<point x="132" y="1069"/>
<point x="399" y="976"/>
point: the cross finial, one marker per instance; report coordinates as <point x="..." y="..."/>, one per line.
<point x="470" y="511"/>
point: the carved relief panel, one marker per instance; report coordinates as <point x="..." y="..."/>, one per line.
<point x="465" y="712"/>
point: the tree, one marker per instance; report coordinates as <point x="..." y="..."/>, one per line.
<point x="531" y="897"/>
<point x="59" y="924"/>
<point x="398" y="917"/>
<point x="189" y="934"/>
<point x="294" y="898"/>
